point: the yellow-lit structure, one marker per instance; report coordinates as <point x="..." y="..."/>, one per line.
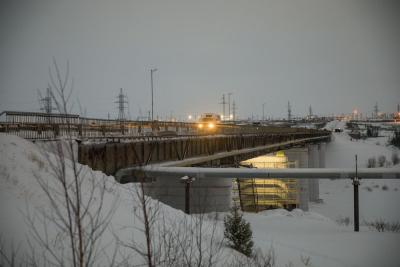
<point x="260" y="194"/>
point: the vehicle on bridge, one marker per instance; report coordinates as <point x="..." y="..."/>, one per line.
<point x="209" y="122"/>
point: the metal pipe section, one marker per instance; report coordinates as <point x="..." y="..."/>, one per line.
<point x="131" y="174"/>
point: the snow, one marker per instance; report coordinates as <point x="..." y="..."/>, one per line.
<point x="22" y="161"/>
<point x="375" y="202"/>
<point x="295" y="234"/>
<point x="292" y="235"/>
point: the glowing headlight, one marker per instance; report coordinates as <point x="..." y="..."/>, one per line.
<point x="211" y="125"/>
<point x="200" y="126"/>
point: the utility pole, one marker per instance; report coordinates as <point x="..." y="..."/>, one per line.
<point x="121" y="101"/>
<point x="356" y="183"/>
<point x="376" y="110"/>
<point x="223" y="106"/>
<point x="234" y="108"/>
<point x="229" y="105"/>
<point x="263" y="108"/>
<point x="152" y="94"/>
<point x="289" y="111"/>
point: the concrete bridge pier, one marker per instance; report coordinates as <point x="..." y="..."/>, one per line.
<point x="206" y="195"/>
<point x="299" y="155"/>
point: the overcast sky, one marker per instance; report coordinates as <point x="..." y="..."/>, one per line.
<point x="333" y="55"/>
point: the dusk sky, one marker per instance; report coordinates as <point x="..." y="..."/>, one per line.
<point x="332" y="55"/>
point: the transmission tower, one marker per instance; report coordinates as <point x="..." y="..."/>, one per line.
<point x="223" y="106"/>
<point x="376" y="110"/>
<point x="234" y="108"/>
<point x="229" y="106"/>
<point x="46" y="103"/>
<point x="289" y="111"/>
<point x="122" y="103"/>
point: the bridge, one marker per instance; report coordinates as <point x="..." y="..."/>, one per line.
<point x="111" y="145"/>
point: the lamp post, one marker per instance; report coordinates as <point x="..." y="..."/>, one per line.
<point x="152" y="95"/>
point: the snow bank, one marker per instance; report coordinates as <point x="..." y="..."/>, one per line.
<point x="22" y="162"/>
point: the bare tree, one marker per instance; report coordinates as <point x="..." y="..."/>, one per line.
<point x="147" y="215"/>
<point x="70" y="230"/>
<point x="190" y="240"/>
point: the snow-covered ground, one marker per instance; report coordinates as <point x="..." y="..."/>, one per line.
<point x="317" y="234"/>
<point x="292" y="235"/>
<point x="21" y="162"/>
<point x="379" y="199"/>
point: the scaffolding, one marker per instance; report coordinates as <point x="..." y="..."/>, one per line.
<point x="254" y="195"/>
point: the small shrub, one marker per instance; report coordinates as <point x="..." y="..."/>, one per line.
<point x="369" y="189"/>
<point x="395" y="140"/>
<point x="261" y="259"/>
<point x="371" y="163"/>
<point x="343" y="221"/>
<point x="381" y="226"/>
<point x="381" y="161"/>
<point x="376" y="186"/>
<point x="306" y="260"/>
<point x="238" y="232"/>
<point x="385" y="188"/>
<point x="395" y="158"/>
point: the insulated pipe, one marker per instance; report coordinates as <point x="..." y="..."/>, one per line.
<point x="134" y="173"/>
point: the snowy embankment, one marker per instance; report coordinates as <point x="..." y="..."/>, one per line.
<point x="23" y="165"/>
<point x="294" y="236"/>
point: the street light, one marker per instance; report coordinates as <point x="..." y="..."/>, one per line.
<point x="152" y="96"/>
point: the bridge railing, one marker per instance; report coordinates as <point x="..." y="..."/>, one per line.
<point x="34" y="125"/>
